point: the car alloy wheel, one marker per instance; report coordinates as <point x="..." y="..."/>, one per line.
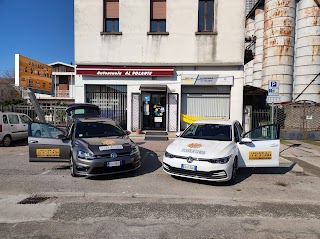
<point x="73" y="168"/>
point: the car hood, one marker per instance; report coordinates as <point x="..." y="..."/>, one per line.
<point x="94" y="144"/>
<point x="201" y="148"/>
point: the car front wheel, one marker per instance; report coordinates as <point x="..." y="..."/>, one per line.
<point x="73" y="170"/>
<point x="234" y="171"/>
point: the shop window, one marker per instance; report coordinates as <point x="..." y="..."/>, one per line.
<point x="206" y="16"/>
<point x="158" y="16"/>
<point x="111" y="16"/>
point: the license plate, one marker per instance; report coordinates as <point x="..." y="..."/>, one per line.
<point x="189" y="167"/>
<point x="102" y="148"/>
<point x="254" y="155"/>
<point x="114" y="164"/>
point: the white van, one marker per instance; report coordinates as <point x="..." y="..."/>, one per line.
<point x="13" y="126"/>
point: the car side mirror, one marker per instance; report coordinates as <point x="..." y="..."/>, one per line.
<point x="245" y="141"/>
<point x="61" y="136"/>
<point x="127" y="132"/>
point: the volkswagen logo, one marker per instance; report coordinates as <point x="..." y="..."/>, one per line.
<point x="190" y="159"/>
<point x="113" y="155"/>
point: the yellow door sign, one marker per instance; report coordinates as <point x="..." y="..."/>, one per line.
<point x="48" y="153"/>
<point x="253" y="155"/>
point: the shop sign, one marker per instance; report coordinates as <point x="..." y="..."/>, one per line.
<point x="206" y="80"/>
<point x="124" y="71"/>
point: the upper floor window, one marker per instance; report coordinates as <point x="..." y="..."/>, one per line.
<point x="111" y="15"/>
<point x="206" y="15"/>
<point x="158" y="16"/>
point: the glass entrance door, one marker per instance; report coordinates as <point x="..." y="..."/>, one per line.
<point x="154" y="110"/>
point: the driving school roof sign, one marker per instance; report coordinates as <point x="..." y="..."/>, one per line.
<point x="118" y="71"/>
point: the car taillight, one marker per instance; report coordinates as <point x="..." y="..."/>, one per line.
<point x="0" y="127"/>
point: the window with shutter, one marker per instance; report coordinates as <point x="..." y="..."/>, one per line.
<point x="111" y="16"/>
<point x="158" y="16"/>
<point x="206" y="16"/>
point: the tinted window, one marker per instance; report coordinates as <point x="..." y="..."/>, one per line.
<point x="97" y="129"/>
<point x="208" y="131"/>
<point x="5" y="119"/>
<point x="13" y="119"/>
<point x="24" y="119"/>
<point x="267" y="132"/>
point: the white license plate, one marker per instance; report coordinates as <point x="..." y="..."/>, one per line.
<point x="114" y="164"/>
<point x="109" y="147"/>
<point x="189" y="167"/>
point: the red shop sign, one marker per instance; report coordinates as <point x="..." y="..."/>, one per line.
<point x="123" y="71"/>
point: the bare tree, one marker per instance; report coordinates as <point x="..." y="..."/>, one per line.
<point x="9" y="93"/>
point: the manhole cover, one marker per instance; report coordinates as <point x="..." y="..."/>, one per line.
<point x="33" y="200"/>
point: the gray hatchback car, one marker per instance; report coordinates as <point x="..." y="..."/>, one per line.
<point x="93" y="146"/>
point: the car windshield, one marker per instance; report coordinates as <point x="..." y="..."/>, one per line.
<point x="97" y="129"/>
<point x="218" y="132"/>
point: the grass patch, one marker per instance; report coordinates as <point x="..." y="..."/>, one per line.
<point x="282" y="141"/>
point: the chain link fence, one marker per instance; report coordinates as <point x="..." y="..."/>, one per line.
<point x="303" y="116"/>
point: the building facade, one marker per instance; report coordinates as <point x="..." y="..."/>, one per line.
<point x="160" y="64"/>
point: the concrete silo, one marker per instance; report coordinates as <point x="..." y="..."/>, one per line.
<point x="307" y="51"/>
<point x="249" y="65"/>
<point x="258" y="32"/>
<point x="278" y="45"/>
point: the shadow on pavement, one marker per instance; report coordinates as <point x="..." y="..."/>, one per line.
<point x="149" y="164"/>
<point x="242" y="174"/>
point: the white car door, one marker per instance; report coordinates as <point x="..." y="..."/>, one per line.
<point x="260" y="147"/>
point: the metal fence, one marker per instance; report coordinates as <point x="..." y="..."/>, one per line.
<point x="260" y="117"/>
<point x="303" y="116"/>
<point x="55" y="115"/>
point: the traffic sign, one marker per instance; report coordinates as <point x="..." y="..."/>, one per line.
<point x="273" y="99"/>
<point x="273" y="88"/>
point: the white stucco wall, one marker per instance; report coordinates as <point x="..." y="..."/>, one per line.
<point x="181" y="46"/>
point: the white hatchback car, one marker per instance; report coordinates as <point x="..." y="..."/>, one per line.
<point x="13" y="126"/>
<point x="213" y="150"/>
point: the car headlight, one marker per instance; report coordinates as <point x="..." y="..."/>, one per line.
<point x="134" y="149"/>
<point x="221" y="160"/>
<point x="85" y="155"/>
<point x="168" y="155"/>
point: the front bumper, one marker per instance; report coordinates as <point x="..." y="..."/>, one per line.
<point x="205" y="170"/>
<point x="98" y="167"/>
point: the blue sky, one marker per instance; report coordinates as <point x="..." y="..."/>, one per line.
<point x="38" y="29"/>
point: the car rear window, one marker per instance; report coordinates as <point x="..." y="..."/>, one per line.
<point x="5" y="119"/>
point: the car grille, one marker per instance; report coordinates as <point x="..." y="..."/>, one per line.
<point x="106" y="170"/>
<point x="109" y="155"/>
<point x="219" y="174"/>
<point x="186" y="158"/>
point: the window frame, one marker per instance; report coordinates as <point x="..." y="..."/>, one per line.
<point x="158" y="22"/>
<point x="205" y="23"/>
<point x="104" y="30"/>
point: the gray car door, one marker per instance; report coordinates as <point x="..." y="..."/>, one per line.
<point x="50" y="145"/>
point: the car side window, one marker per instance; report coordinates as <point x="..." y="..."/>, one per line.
<point x="24" y="119"/>
<point x="42" y="130"/>
<point x="13" y="119"/>
<point x="5" y="119"/>
<point x="266" y="132"/>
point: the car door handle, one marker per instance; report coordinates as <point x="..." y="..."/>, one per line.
<point x="274" y="145"/>
<point x="33" y="141"/>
